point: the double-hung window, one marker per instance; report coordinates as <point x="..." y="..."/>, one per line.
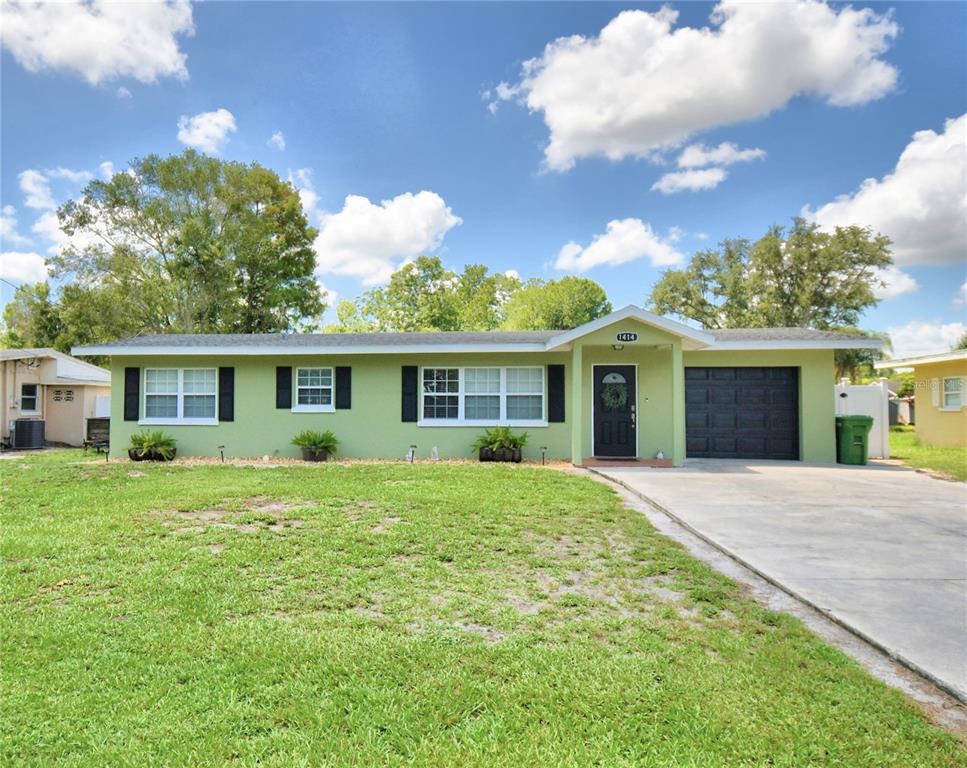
<point x="29" y="398"/>
<point x="953" y="393"/>
<point x="483" y="395"/>
<point x="313" y="388"/>
<point x="180" y="396"/>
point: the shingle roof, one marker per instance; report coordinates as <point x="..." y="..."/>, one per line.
<point x="779" y="334"/>
<point x="347" y="340"/>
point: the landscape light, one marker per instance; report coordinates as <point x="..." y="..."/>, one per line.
<point x="543" y="451"/>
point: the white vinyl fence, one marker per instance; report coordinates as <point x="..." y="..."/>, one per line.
<point x="868" y="400"/>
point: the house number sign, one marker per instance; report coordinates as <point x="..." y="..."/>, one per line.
<point x="626" y="336"/>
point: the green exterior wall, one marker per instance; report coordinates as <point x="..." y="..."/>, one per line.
<point x="373" y="426"/>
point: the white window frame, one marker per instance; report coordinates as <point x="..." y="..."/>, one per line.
<point x="180" y="395"/>
<point x="331" y="408"/>
<point x="461" y="393"/>
<point x="35" y="411"/>
<point x="944" y="393"/>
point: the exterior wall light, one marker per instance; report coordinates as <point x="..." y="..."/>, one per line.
<point x="617" y="347"/>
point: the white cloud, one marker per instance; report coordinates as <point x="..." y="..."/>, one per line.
<point x="75" y="177"/>
<point x="897" y="282"/>
<point x="922" y="338"/>
<point x="641" y="87"/>
<point x="625" y="240"/>
<point x="921" y="206"/>
<point x="36" y="189"/>
<point x="961" y="298"/>
<point x="726" y="153"/>
<point x="301" y="179"/>
<point x="691" y="181"/>
<point x="99" y="40"/>
<point x="370" y="241"/>
<point x="106" y="169"/>
<point x="8" y="228"/>
<point x="21" y="267"/>
<point x="512" y="273"/>
<point x="277" y="140"/>
<point x="47" y="226"/>
<point x="206" y="131"/>
<point x="123" y="93"/>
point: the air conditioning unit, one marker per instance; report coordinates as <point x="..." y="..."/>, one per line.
<point x="28" y="433"/>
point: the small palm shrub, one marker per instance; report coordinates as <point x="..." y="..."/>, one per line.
<point x="500" y="444"/>
<point x="316" y="446"/>
<point x="152" y="446"/>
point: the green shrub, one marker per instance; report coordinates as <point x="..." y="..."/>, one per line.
<point x="317" y="442"/>
<point x="500" y="438"/>
<point x="148" y="443"/>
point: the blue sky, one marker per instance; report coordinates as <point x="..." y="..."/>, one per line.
<point x="384" y="102"/>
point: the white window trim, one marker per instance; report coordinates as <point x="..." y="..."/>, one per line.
<point x="461" y="393"/>
<point x="37" y="398"/>
<point x="943" y="393"/>
<point x="179" y="419"/>
<point x="331" y="408"/>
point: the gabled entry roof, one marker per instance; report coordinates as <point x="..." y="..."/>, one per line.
<point x="456" y="342"/>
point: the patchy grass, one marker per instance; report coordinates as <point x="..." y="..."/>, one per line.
<point x="414" y="615"/>
<point x="906" y="446"/>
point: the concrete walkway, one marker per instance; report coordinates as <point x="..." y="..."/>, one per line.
<point x="881" y="549"/>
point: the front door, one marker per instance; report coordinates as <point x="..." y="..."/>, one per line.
<point x="614" y="411"/>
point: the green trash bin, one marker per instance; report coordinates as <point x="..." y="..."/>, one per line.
<point x="852" y="439"/>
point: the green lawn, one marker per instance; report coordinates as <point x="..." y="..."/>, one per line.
<point x="904" y="445"/>
<point x="389" y="614"/>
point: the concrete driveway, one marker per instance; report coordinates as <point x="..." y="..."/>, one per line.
<point x="881" y="549"/>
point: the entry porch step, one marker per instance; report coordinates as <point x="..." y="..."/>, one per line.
<point x="617" y="463"/>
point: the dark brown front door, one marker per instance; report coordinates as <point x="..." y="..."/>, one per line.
<point x="614" y="411"/>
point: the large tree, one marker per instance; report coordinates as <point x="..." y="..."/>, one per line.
<point x="31" y="318"/>
<point x="556" y="304"/>
<point x="192" y="243"/>
<point x="424" y="295"/>
<point x="801" y="277"/>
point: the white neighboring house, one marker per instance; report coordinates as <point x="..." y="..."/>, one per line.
<point x="42" y="383"/>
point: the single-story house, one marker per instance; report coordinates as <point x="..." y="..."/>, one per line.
<point x="941" y="396"/>
<point x="629" y="385"/>
<point x="46" y="385"/>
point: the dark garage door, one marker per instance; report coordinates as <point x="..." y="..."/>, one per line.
<point x="742" y="413"/>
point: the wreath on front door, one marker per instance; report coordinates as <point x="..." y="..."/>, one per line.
<point x="614" y="397"/>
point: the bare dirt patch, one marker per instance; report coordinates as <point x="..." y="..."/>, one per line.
<point x="384" y="525"/>
<point x="252" y="515"/>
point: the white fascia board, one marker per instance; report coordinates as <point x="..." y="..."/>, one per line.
<point x="631" y="312"/>
<point x="273" y="351"/>
<point x="908" y="362"/>
<point x="735" y="346"/>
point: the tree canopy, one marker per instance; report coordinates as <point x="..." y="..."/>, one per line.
<point x="193" y="243"/>
<point x="426" y="296"/>
<point x="801" y="277"/>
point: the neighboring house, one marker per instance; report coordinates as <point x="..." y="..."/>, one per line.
<point x="941" y="396"/>
<point x="632" y="384"/>
<point x="45" y="384"/>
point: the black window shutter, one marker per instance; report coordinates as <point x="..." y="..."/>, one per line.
<point x="226" y="394"/>
<point x="283" y="386"/>
<point x="132" y="393"/>
<point x="411" y="397"/>
<point x="344" y="387"/>
<point x="555" y="393"/>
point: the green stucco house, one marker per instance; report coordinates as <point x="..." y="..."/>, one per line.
<point x="628" y="385"/>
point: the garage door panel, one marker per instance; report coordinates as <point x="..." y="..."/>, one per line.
<point x="742" y="412"/>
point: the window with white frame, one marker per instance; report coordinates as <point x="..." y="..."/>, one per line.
<point x="29" y="397"/>
<point x="483" y="395"/>
<point x="180" y="395"/>
<point x="953" y="392"/>
<point x="313" y="388"/>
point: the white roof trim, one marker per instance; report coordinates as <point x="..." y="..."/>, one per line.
<point x="907" y="362"/>
<point x="734" y="346"/>
<point x="631" y="312"/>
<point x="373" y="349"/>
